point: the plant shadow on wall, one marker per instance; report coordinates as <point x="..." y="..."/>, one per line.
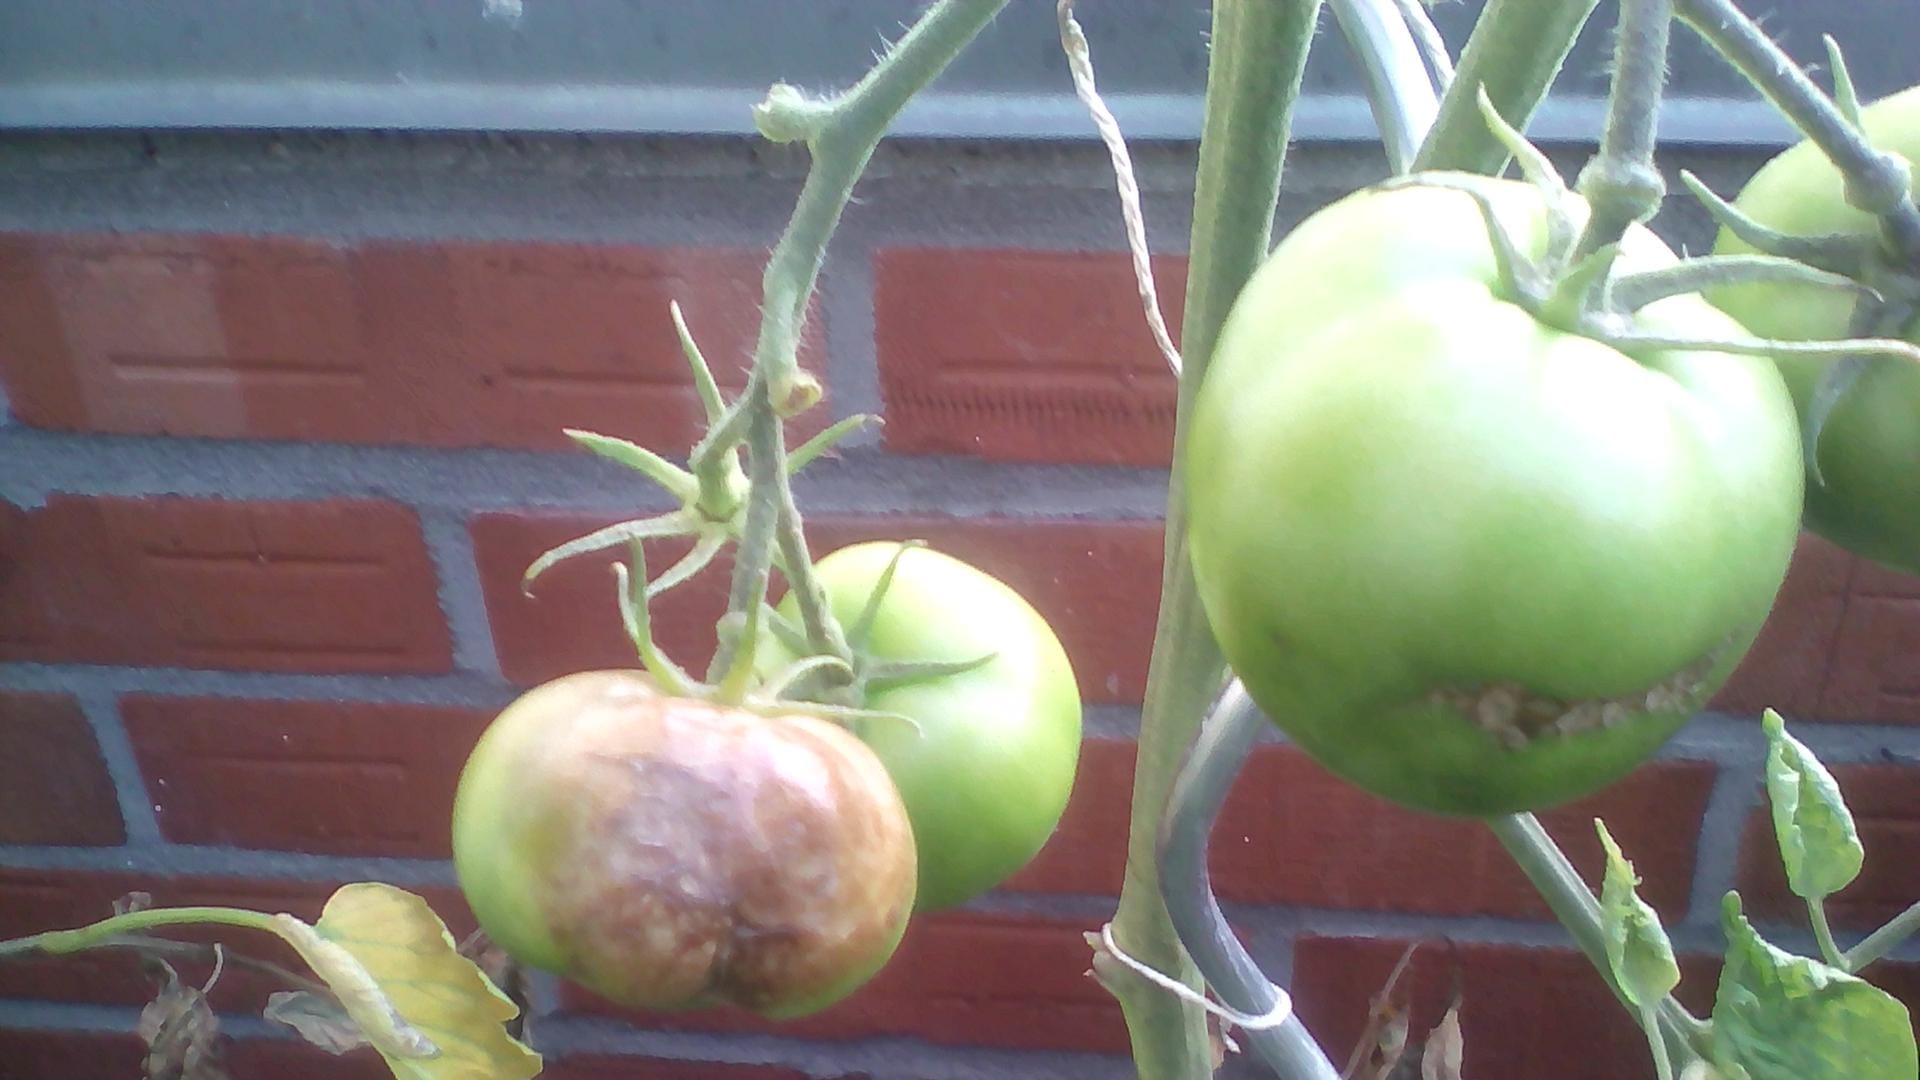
<point x="1528" y="484"/>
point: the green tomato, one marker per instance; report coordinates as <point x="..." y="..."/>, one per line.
<point x="988" y="761"/>
<point x="1471" y="562"/>
<point x="1867" y="495"/>
<point x="669" y="853"/>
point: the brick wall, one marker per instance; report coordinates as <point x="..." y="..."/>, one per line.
<point x="281" y="434"/>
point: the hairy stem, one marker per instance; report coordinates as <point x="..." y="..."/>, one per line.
<point x="841" y="134"/>
<point x="1877" y="182"/>
<point x="1515" y="51"/>
<point x="1622" y="183"/>
<point x="1259" y="52"/>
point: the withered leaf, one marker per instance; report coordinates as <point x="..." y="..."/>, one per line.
<point x="181" y="1033"/>
<point x="320" y="1020"/>
<point x="1445" y="1048"/>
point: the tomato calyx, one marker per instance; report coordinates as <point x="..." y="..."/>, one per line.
<point x="713" y="490"/>
<point x="847" y="685"/>
<point x="1582" y="294"/>
<point x="1886" y="285"/>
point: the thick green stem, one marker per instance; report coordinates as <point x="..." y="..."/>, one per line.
<point x="1515" y="51"/>
<point x="1568" y="897"/>
<point x="1622" y="184"/>
<point x="1877" y="182"/>
<point x="1884" y="940"/>
<point x="102" y="932"/>
<point x="1259" y="51"/>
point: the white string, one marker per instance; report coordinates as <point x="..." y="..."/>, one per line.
<point x="1080" y="62"/>
<point x="1281" y="1012"/>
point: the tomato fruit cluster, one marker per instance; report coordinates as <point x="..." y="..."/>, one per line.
<point x="1470" y="561"/>
<point x="1867" y="494"/>
<point x="988" y="760"/>
<point x="668" y="853"/>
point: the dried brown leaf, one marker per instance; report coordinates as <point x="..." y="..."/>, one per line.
<point x="319" y="1019"/>
<point x="181" y="1033"/>
<point x="1445" y="1048"/>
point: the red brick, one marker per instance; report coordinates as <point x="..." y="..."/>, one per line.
<point x="1885" y="801"/>
<point x="336" y="585"/>
<point x="292" y="1059"/>
<point x="1787" y="665"/>
<point x="45" y="1055"/>
<point x="1874" y="671"/>
<point x="958" y="979"/>
<point x="335" y="778"/>
<point x="1087" y="853"/>
<point x="36" y="900"/>
<point x="1098" y="583"/>
<point x="54" y="787"/>
<point x="607" y="1067"/>
<point x="1291" y="833"/>
<point x="1841" y="644"/>
<point x="1024" y="355"/>
<point x="40" y="1055"/>
<point x="1525" y="1012"/>
<point x="444" y="344"/>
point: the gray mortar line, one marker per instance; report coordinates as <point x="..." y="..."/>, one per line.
<point x="482" y="480"/>
<point x="102" y="710"/>
<point x="165" y="860"/>
<point x="881" y="1057"/>
<point x="457" y="583"/>
<point x="458" y="690"/>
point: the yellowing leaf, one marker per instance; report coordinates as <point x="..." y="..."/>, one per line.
<point x="427" y="1009"/>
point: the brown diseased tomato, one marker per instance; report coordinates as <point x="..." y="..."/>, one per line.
<point x="668" y="853"/>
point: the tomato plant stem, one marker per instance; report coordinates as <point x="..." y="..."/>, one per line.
<point x="1622" y="184"/>
<point x="1399" y="87"/>
<point x="840" y="133"/>
<point x="1830" y="950"/>
<point x="1516" y="50"/>
<point x="101" y="933"/>
<point x="1877" y="182"/>
<point x="1657" y="1043"/>
<point x="1226" y="737"/>
<point x="1259" y="52"/>
<point x="1568" y="897"/>
<point x="1884" y="940"/>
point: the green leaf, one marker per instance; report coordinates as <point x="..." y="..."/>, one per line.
<point x="1638" y="951"/>
<point x="1818" y="843"/>
<point x="1784" y="1017"/>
